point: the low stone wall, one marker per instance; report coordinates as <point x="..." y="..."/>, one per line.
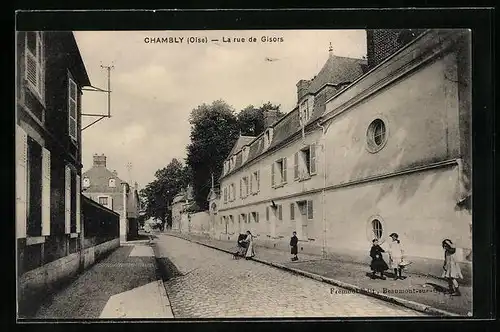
<point x="35" y="285"/>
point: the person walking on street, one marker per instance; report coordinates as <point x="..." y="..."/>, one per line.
<point x="250" y="250"/>
<point x="451" y="268"/>
<point x="293" y="243"/>
<point x="378" y="264"/>
<point x="396" y="255"/>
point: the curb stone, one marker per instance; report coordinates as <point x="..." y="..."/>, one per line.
<point x="395" y="300"/>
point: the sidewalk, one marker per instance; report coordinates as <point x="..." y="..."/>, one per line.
<point x="416" y="292"/>
<point x="123" y="285"/>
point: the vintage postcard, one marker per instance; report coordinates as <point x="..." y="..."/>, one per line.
<point x="243" y="174"/>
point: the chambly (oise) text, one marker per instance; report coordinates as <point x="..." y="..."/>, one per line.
<point x="205" y="40"/>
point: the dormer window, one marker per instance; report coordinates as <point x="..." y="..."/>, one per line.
<point x="86" y="182"/>
<point x="304" y="112"/>
<point x="245" y="153"/>
<point x="268" y="137"/>
<point x="112" y="183"/>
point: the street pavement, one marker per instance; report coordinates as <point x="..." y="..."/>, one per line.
<point x="424" y="290"/>
<point x="123" y="285"/>
<point x="208" y="283"/>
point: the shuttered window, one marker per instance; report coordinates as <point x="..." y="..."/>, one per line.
<point x="280" y="212"/>
<point x="72" y="111"/>
<point x="312" y="162"/>
<point x="34" y="62"/>
<point x="310" y="210"/>
<point x="296" y="165"/>
<point x="67" y="200"/>
<point x="21" y="182"/>
<point x="34" y="197"/>
<point x="267" y="213"/>
<point x="292" y="211"/>
<point x="45" y="192"/>
<point x="272" y="175"/>
<point x="283" y="172"/>
<point x="258" y="181"/>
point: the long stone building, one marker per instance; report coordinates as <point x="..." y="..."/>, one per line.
<point x="372" y="147"/>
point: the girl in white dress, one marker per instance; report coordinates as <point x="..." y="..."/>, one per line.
<point x="396" y="256"/>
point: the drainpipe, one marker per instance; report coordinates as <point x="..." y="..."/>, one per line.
<point x="323" y="190"/>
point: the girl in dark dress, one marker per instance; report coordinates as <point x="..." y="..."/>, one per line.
<point x="293" y="243"/>
<point x="378" y="264"/>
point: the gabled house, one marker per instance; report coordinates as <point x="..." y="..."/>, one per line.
<point x="106" y="188"/>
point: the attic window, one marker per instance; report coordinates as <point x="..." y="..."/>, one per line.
<point x="304" y="112"/>
<point x="112" y="183"/>
<point x="86" y="182"/>
<point x="268" y="136"/>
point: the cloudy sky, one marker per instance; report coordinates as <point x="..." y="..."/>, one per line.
<point x="156" y="85"/>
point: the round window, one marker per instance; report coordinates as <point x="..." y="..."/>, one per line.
<point x="376" y="135"/>
<point x="375" y="229"/>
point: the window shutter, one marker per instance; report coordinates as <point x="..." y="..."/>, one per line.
<point x="284" y="169"/>
<point x="67" y="200"/>
<point x="241" y="188"/>
<point x="280" y="212"/>
<point x="272" y="174"/>
<point x="310" y="214"/>
<point x="258" y="181"/>
<point x="251" y="184"/>
<point x="296" y="165"/>
<point x="312" y="161"/>
<point x="45" y="192"/>
<point x="78" y="206"/>
<point x="292" y="211"/>
<point x="21" y="181"/>
<point x="267" y="213"/>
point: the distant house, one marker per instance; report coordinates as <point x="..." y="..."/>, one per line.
<point x="105" y="187"/>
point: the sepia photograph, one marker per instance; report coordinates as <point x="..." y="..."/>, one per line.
<point x="199" y="174"/>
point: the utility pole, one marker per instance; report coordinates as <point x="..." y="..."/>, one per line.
<point x="108" y="91"/>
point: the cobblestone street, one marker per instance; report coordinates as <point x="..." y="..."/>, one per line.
<point x="213" y="284"/>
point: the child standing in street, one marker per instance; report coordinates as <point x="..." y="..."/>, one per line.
<point x="451" y="268"/>
<point x="378" y="264"/>
<point x="293" y="243"/>
<point x="396" y="255"/>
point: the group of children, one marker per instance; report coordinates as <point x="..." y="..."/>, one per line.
<point x="451" y="268"/>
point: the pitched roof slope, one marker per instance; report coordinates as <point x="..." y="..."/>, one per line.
<point x="337" y="69"/>
<point x="242" y="141"/>
<point x="99" y="180"/>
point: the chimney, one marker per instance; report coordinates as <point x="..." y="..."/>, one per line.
<point x="270" y="117"/>
<point x="99" y="161"/>
<point x="302" y="87"/>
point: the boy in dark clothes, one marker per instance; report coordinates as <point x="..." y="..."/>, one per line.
<point x="378" y="264"/>
<point x="293" y="243"/>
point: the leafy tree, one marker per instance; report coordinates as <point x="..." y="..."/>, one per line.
<point x="158" y="194"/>
<point x="251" y="118"/>
<point x="214" y="130"/>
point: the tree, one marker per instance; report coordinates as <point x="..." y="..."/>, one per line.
<point x="158" y="194"/>
<point x="251" y="118"/>
<point x="214" y="130"/>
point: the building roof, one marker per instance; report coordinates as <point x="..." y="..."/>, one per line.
<point x="242" y="141"/>
<point x="336" y="70"/>
<point x="99" y="180"/>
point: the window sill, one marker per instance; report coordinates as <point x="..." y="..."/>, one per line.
<point x="33" y="240"/>
<point x="73" y="235"/>
<point x="279" y="185"/>
<point x="304" y="178"/>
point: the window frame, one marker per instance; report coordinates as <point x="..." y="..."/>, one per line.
<point x="38" y="88"/>
<point x="371" y="145"/>
<point x="71" y="82"/>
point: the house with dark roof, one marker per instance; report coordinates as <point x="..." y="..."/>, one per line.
<point x="366" y="152"/>
<point x="105" y="187"/>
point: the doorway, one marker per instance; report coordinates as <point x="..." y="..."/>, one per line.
<point x="302" y="220"/>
